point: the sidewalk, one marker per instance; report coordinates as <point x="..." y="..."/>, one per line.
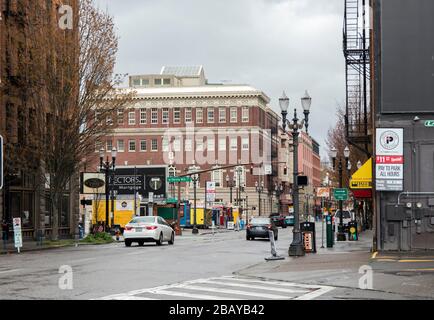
<point x="343" y="266"/>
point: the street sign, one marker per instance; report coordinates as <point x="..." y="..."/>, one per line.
<point x="340" y="194"/>
<point x="1" y="162"/>
<point x="362" y="178"/>
<point x="178" y="179"/>
<point x="172" y="200"/>
<point x="210" y="191"/>
<point x="429" y="123"/>
<point x="17" y="233"/>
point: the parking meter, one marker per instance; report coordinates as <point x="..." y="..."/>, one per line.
<point x="329" y="231"/>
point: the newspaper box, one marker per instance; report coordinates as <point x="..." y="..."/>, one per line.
<point x="309" y="237"/>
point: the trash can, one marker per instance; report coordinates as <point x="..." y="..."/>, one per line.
<point x="80" y="231"/>
<point x="309" y="236"/>
<point x="329" y="231"/>
<point x="352" y="231"/>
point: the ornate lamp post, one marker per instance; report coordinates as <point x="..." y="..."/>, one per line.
<point x="195" y="179"/>
<point x="230" y="184"/>
<point x="109" y="170"/>
<point x="278" y="188"/>
<point x="341" y="234"/>
<point x="259" y="189"/>
<point x="296" y="248"/>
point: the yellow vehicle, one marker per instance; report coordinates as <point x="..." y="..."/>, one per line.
<point x="124" y="211"/>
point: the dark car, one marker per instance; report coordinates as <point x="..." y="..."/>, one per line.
<point x="289" y="220"/>
<point x="259" y="227"/>
<point x="278" y="220"/>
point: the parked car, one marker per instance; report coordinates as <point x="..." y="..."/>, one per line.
<point x="148" y="229"/>
<point x="259" y="227"/>
<point x="346" y="219"/>
<point x="289" y="220"/>
<point x="278" y="220"/>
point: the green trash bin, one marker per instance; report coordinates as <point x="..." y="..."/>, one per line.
<point x="329" y="230"/>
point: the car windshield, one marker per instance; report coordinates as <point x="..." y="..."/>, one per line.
<point x="346" y="214"/>
<point x="260" y="221"/>
<point x="143" y="220"/>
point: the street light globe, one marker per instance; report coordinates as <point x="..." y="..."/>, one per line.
<point x="333" y="152"/>
<point x="114" y="152"/>
<point x="227" y="178"/>
<point x="359" y="164"/>
<point x="306" y="102"/>
<point x="101" y="153"/>
<point x="284" y="102"/>
<point x="347" y="152"/>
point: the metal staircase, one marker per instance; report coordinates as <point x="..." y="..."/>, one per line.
<point x="357" y="57"/>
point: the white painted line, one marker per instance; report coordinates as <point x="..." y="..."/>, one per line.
<point x="82" y="260"/>
<point x="278" y="283"/>
<point x="241" y="285"/>
<point x="315" y="294"/>
<point x="190" y="295"/>
<point x="10" y="271"/>
<point x="127" y="297"/>
<point x="236" y="292"/>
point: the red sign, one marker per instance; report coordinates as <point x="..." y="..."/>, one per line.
<point x="362" y="193"/>
<point x="390" y="160"/>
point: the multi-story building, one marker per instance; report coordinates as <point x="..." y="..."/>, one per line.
<point x="179" y="120"/>
<point x="23" y="194"/>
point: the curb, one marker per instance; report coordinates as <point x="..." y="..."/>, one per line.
<point x="22" y="250"/>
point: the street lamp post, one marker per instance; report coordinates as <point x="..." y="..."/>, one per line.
<point x="259" y="189"/>
<point x="278" y="188"/>
<point x="296" y="248"/>
<point x="230" y="184"/>
<point x="195" y="178"/>
<point x="341" y="234"/>
<point x="109" y="170"/>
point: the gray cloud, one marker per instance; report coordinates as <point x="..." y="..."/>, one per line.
<point x="274" y="45"/>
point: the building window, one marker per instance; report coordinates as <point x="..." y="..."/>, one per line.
<point x="143" y="145"/>
<point x="145" y="82"/>
<point x="211" y="145"/>
<point x="132" y="118"/>
<point x="109" y="145"/>
<point x="176" y="115"/>
<point x="165" y="145"/>
<point x="121" y="147"/>
<point x="245" y="114"/>
<point x="157" y="82"/>
<point x="165" y="119"/>
<point x="222" y="144"/>
<point x="97" y="146"/>
<point x="131" y="145"/>
<point x="199" y="145"/>
<point x="154" y="116"/>
<point x="188" y="115"/>
<point x="136" y="82"/>
<point x="188" y="145"/>
<point x="166" y="82"/>
<point x="210" y="115"/>
<point x="154" y="145"/>
<point x="216" y="176"/>
<point x="120" y="117"/>
<point x="143" y="118"/>
<point x="234" y="144"/>
<point x="199" y="115"/>
<point x="234" y="114"/>
<point x="177" y="145"/>
<point x="245" y="144"/>
<point x="222" y="115"/>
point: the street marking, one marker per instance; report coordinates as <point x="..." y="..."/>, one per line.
<point x="386" y="260"/>
<point x="10" y="271"/>
<point x="374" y="255"/>
<point x="253" y="286"/>
<point x="410" y="261"/>
<point x="236" y="292"/>
<point x="308" y="291"/>
<point x="423" y="269"/>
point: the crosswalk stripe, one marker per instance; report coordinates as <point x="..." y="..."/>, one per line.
<point x="236" y="292"/>
<point x="190" y="295"/>
<point x="284" y="284"/>
<point x="241" y="285"/>
<point x="315" y="294"/>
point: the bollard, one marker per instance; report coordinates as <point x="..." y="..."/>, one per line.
<point x="274" y="255"/>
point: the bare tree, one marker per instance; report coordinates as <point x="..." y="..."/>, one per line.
<point x="75" y="95"/>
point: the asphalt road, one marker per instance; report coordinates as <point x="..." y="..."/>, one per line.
<point x="104" y="270"/>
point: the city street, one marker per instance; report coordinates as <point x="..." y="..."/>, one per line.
<point x="206" y="266"/>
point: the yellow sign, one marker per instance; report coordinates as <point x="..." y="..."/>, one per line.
<point x="362" y="178"/>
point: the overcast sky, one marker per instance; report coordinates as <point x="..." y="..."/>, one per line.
<point x="273" y="45"/>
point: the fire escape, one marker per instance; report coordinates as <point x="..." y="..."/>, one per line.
<point x="357" y="58"/>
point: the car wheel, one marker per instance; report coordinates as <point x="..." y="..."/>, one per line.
<point x="160" y="240"/>
<point x="127" y="243"/>
<point x="141" y="243"/>
<point x="172" y="239"/>
<point x="252" y="238"/>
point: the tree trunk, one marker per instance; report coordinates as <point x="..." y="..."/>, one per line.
<point x="55" y="222"/>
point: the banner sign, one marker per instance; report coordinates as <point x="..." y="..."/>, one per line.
<point x="390" y="159"/>
<point x="210" y="191"/>
<point x="18" y="239"/>
<point x="323" y="193"/>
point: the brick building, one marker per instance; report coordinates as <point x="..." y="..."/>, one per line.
<point x="179" y="119"/>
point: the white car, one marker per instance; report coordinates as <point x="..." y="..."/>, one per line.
<point x="148" y="229"/>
